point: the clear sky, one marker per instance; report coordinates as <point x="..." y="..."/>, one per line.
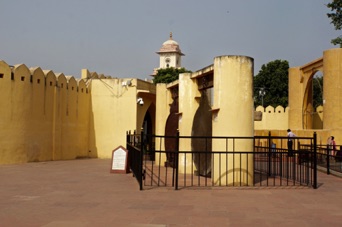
<point x="120" y="37"/>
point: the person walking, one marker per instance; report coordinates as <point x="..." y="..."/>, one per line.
<point x="333" y="146"/>
<point x="290" y="136"/>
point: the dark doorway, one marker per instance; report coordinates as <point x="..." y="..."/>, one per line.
<point x="148" y="131"/>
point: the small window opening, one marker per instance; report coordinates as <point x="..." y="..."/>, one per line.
<point x="61" y="85"/>
<point x="1" y="75"/>
<point x="50" y="83"/>
<point x="38" y="81"/>
<point x="12" y="76"/>
<point x="82" y="90"/>
<point x="72" y="88"/>
<point x="22" y="78"/>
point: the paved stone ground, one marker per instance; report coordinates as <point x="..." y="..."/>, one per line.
<point x="84" y="193"/>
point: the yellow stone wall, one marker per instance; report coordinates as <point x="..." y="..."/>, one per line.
<point x="163" y="102"/>
<point x="277" y="118"/>
<point x="41" y="119"/>
<point x="233" y="83"/>
<point x="332" y="91"/>
<point x="48" y="116"/>
<point x="272" y="118"/>
<point x="296" y="95"/>
<point x="188" y="104"/>
<point x="114" y="111"/>
<point x="302" y="116"/>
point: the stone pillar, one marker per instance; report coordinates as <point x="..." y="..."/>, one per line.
<point x="332" y="92"/>
<point x="296" y="96"/>
<point x="233" y="114"/>
<point x="188" y="104"/>
<point x="163" y="101"/>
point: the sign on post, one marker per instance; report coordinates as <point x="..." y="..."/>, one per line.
<point x="119" y="160"/>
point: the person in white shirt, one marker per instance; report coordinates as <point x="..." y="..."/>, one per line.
<point x="290" y="135"/>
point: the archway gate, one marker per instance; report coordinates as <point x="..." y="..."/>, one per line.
<point x="301" y="108"/>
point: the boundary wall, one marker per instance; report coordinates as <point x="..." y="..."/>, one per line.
<point x="47" y="116"/>
<point x="44" y="116"/>
<point x="114" y="111"/>
<point x="278" y="118"/>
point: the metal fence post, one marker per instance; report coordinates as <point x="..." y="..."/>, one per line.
<point x="269" y="153"/>
<point x="127" y="137"/>
<point x="141" y="159"/>
<point x="328" y="159"/>
<point x="177" y="157"/>
<point x="315" y="161"/>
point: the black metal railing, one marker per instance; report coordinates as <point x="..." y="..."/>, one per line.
<point x="326" y="159"/>
<point x="267" y="162"/>
<point x="135" y="156"/>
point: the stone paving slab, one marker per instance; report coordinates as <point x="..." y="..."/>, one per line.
<point x="82" y="193"/>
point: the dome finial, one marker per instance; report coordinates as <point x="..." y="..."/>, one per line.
<point x="170" y="35"/>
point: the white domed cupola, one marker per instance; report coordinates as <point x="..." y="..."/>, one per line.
<point x="170" y="54"/>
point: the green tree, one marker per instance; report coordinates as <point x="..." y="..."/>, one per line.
<point x="168" y="75"/>
<point x="271" y="84"/>
<point x="336" y="18"/>
<point x="317" y="84"/>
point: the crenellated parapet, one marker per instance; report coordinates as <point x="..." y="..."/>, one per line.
<point x="271" y="109"/>
<point x="278" y="118"/>
<point x="35" y="76"/>
<point x="45" y="115"/>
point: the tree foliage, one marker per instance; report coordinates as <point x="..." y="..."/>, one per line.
<point x="273" y="79"/>
<point x="168" y="75"/>
<point x="317" y="84"/>
<point x="336" y="18"/>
